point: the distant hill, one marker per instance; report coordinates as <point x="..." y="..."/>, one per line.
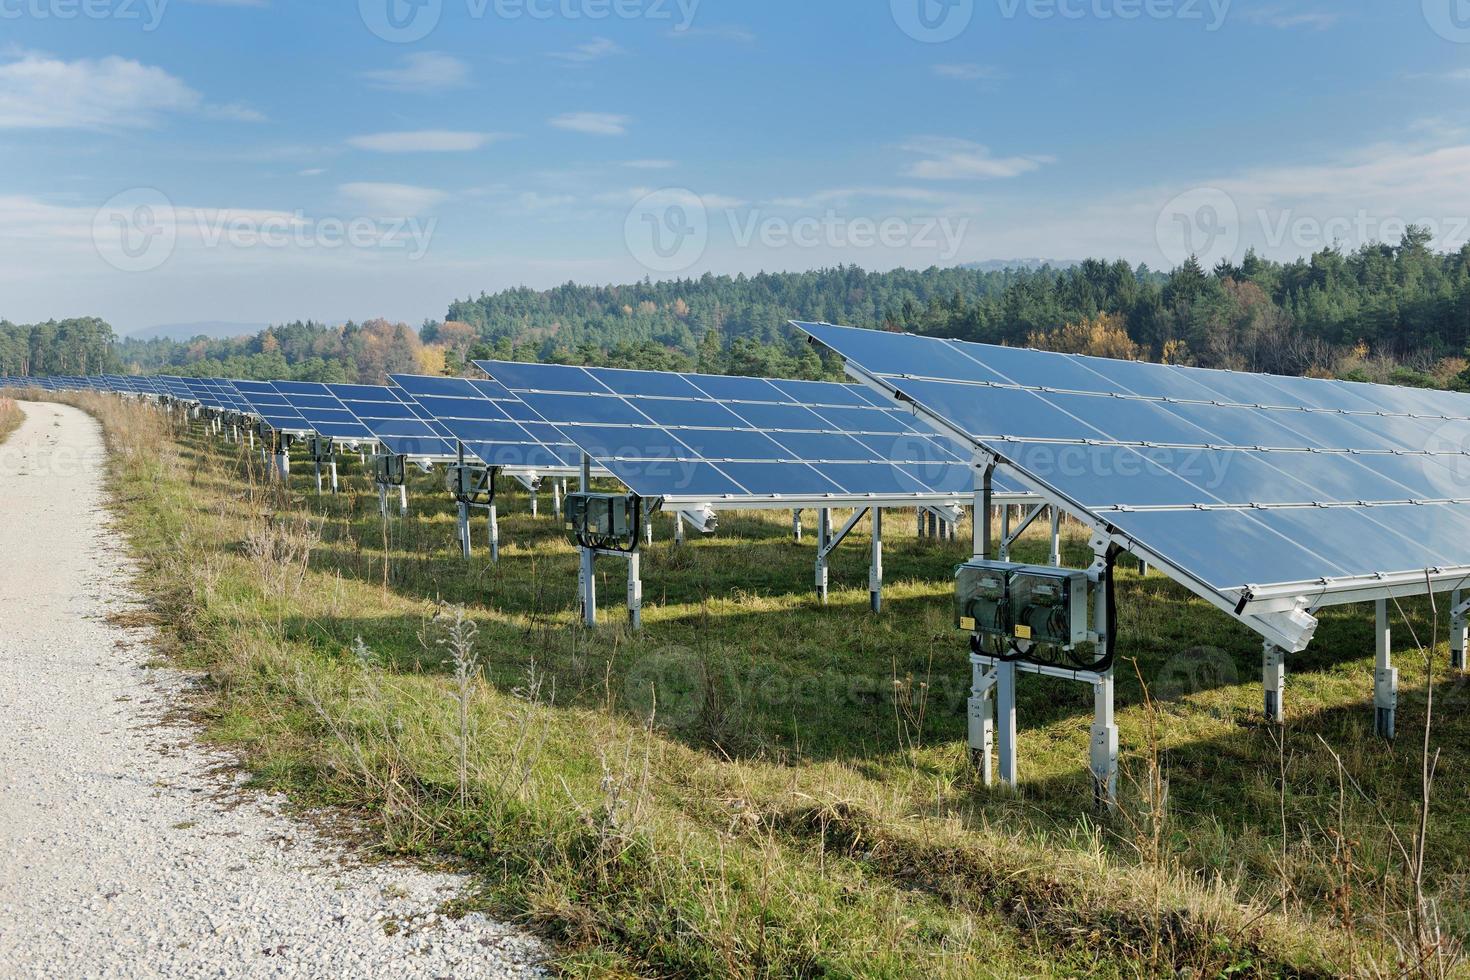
<point x="1001" y="265"/>
<point x="213" y="329"/>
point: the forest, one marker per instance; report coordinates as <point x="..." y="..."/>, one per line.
<point x="1398" y="313"/>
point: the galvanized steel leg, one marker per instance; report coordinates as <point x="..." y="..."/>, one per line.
<point x="334" y="474"/>
<point x="1005" y="721"/>
<point x="1005" y="533"/>
<point x="982" y="722"/>
<point x="635" y="592"/>
<point x="647" y="531"/>
<point x="494" y="533"/>
<point x="796" y="526"/>
<point x="556" y="500"/>
<point x="317" y="468"/>
<point x="589" y="587"/>
<point x="1385" y="677"/>
<point x="1273" y="682"/>
<point x="535" y="504"/>
<point x="403" y="499"/>
<point x="1056" y="538"/>
<point x="466" y="548"/>
<point x="875" y="565"/>
<point x="1104" y="743"/>
<point x="824" y="534"/>
<point x="678" y="528"/>
<point x="1458" y="633"/>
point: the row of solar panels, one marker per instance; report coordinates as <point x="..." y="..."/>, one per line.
<point x="683" y="437"/>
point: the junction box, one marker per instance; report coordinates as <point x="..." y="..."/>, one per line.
<point x="601" y="515"/>
<point x="1035" y="603"/>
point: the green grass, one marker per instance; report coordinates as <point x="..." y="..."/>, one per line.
<point x="757" y="785"/>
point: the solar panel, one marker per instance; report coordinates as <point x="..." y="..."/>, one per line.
<point x="400" y="426"/>
<point x="1248" y="485"/>
<point x="323" y="411"/>
<point x="494" y="426"/>
<point x="271" y="407"/>
<point x="715" y="439"/>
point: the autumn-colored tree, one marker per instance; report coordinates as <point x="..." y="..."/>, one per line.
<point x="1105" y="335"/>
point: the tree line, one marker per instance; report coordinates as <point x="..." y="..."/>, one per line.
<point x="1397" y="313"/>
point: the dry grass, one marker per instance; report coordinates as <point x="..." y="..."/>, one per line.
<point x="10" y="417"/>
<point x="758" y="786"/>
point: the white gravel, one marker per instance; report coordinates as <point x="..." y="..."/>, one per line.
<point x="123" y="851"/>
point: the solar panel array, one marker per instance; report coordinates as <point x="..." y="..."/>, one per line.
<point x="494" y="426"/>
<point x="396" y="422"/>
<point x="1239" y="480"/>
<point x="710" y="438"/>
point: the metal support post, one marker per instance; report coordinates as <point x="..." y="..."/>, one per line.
<point x="635" y="592"/>
<point x="1056" y="538"/>
<point x="317" y="471"/>
<point x="466" y="549"/>
<point x="494" y="532"/>
<point x="283" y="462"/>
<point x="333" y="467"/>
<point x="1273" y="682"/>
<point x="824" y="535"/>
<point x="875" y="565"/>
<point x="1005" y="721"/>
<point x="678" y="528"/>
<point x="535" y="504"/>
<point x="1458" y="632"/>
<point x="589" y="587"/>
<point x="1104" y="761"/>
<point x="982" y="721"/>
<point x="1385" y="677"/>
<point x="403" y="499"/>
<point x="648" y="532"/>
<point x="556" y="500"/>
<point x="1005" y="532"/>
<point x="383" y="501"/>
<point x="796" y="526"/>
<point x="919" y="521"/>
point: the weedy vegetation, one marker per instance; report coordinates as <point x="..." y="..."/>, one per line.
<point x="10" y="417"/>
<point x="757" y="785"/>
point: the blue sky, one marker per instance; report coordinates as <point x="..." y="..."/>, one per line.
<point x="263" y="160"/>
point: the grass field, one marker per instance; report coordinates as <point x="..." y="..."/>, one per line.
<point x="760" y="786"/>
<point x="10" y="417"/>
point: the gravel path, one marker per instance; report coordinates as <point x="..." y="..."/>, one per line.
<point x="123" y="851"/>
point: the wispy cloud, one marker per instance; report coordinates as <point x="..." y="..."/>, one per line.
<point x="422" y="71"/>
<point x="726" y="32"/>
<point x="594" y="123"/>
<point x="425" y="141"/>
<point x="234" y="112"/>
<point x="838" y="197"/>
<point x="42" y="92"/>
<point x="311" y="172"/>
<point x="650" y="164"/>
<point x="594" y="50"/>
<point x="1288" y="17"/>
<point x="390" y="200"/>
<point x="969" y="72"/>
<point x="945" y="158"/>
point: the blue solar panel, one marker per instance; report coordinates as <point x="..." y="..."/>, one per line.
<point x="323" y="411"/>
<point x="475" y="414"/>
<point x="394" y="423"/>
<point x="1221" y="473"/>
<point x="703" y="437"/>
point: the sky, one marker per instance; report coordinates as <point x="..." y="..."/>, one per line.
<point x="166" y="161"/>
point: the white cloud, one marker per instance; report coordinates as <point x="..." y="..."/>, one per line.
<point x="423" y="71"/>
<point x="311" y="172"/>
<point x="839" y="197"/>
<point x="956" y="159"/>
<point x="1286" y="17"/>
<point x="650" y="164"/>
<point x="234" y="112"/>
<point x="390" y="200"/>
<point x="727" y="32"/>
<point x="1458" y="75"/>
<point x="595" y="123"/>
<point x="968" y="72"/>
<point x="41" y="92"/>
<point x="594" y="50"/>
<point x="424" y="141"/>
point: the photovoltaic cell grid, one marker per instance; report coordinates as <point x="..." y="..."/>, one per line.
<point x="495" y="427"/>
<point x="323" y="411"/>
<point x="395" y="421"/>
<point x="708" y="439"/>
<point x="1236" y="479"/>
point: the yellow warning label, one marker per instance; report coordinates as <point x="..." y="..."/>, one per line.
<point x="967" y="622"/>
<point x="1023" y="632"/>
